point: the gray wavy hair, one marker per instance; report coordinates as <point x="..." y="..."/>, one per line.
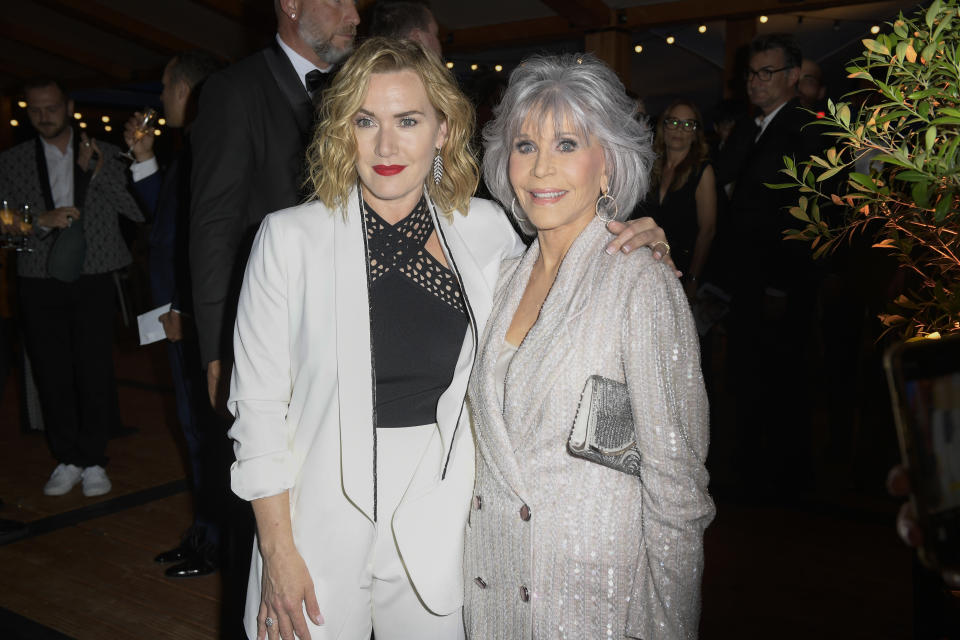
<point x="580" y="90"/>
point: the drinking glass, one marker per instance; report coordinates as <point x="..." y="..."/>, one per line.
<point x="148" y="118"/>
<point x="7" y="218"/>
<point x="24" y="227"/>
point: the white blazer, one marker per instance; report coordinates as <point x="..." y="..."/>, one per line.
<point x="301" y="393"/>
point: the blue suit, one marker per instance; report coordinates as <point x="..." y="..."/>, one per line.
<point x="166" y="195"/>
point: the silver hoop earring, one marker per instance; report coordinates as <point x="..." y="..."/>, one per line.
<point x="512" y="212"/>
<point x="606" y="205"/>
<point x="437" y="168"/>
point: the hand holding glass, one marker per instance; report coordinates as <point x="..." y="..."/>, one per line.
<point x="145" y="125"/>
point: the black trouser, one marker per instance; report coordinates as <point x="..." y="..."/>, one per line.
<point x="68" y="330"/>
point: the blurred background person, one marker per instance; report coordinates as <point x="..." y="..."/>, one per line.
<point x="406" y="20"/>
<point x="165" y="194"/>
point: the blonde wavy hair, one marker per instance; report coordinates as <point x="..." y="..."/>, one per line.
<point x="332" y="155"/>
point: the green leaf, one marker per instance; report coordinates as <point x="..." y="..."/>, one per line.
<point x="950" y="111"/>
<point x="943" y="206"/>
<point x="828" y="174"/>
<point x="945" y="120"/>
<point x="843" y="115"/>
<point x="931" y="137"/>
<point x="932" y="13"/>
<point x="928" y="52"/>
<point x="780" y="185"/>
<point x="798" y="213"/>
<point x="875" y="47"/>
<point x="900" y="28"/>
<point x="892" y="160"/>
<point x="921" y="194"/>
<point x="913" y="176"/>
<point x="864" y="181"/>
<point x="789" y="163"/>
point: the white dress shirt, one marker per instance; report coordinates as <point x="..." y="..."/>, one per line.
<point x="763" y="121"/>
<point x="300" y="64"/>
<point x="60" y="170"/>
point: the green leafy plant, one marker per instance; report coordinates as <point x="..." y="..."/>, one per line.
<point x="894" y="172"/>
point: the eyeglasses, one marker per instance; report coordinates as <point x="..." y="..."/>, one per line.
<point x="686" y="125"/>
<point x="764" y="74"/>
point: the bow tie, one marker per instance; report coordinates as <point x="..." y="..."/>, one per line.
<point x="316" y="81"/>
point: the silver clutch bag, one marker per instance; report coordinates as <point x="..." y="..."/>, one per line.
<point x="603" y="428"/>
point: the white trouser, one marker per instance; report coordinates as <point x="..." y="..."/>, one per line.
<point x="395" y="610"/>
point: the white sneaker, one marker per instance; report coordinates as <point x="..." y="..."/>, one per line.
<point x="63" y="478"/>
<point x="95" y="481"/>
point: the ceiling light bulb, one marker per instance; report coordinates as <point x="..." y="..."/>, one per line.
<point x="83" y="125"/>
<point x="473" y="67"/>
<point x="14" y="123"/>
<point x="702" y="28"/>
<point x="104" y="119"/>
<point x="671" y="39"/>
<point x="875" y="29"/>
<point x="22" y="104"/>
<point x="77" y="115"/>
<point x="107" y="128"/>
<point x="156" y="132"/>
<point x="162" y="121"/>
<point x="449" y="65"/>
<point x="638" y="48"/>
<point x="764" y="19"/>
<point x="498" y="68"/>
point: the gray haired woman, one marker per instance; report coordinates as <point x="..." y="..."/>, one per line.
<point x="560" y="546"/>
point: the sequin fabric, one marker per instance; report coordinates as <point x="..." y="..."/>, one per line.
<point x="402" y="247"/>
<point x="560" y="547"/>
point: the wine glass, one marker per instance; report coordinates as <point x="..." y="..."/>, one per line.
<point x="7" y="219"/>
<point x="148" y="118"/>
<point x="24" y="227"/>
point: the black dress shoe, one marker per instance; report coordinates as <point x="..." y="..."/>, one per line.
<point x="194" y="566"/>
<point x="177" y="554"/>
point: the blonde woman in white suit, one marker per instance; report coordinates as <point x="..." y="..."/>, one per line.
<point x="357" y="329"/>
<point x="560" y="546"/>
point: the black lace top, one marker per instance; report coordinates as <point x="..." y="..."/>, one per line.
<point x="417" y="322"/>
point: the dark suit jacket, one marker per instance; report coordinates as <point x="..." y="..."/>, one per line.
<point x="248" y="153"/>
<point x="105" y="197"/>
<point x="166" y="195"/>
<point x="758" y="214"/>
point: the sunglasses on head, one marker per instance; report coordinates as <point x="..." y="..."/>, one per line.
<point x="686" y="125"/>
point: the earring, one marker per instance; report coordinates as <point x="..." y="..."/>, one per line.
<point x="293" y="15"/>
<point x="437" y="168"/>
<point x="512" y="212"/>
<point x="607" y="200"/>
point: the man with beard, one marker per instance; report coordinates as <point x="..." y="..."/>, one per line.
<point x="67" y="291"/>
<point x="248" y="142"/>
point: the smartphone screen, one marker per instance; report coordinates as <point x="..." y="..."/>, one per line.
<point x="929" y="421"/>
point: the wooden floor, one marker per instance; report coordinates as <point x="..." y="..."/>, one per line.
<point x="830" y="567"/>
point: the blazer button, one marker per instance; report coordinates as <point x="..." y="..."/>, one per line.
<point x="477" y="502"/>
<point x="524" y="594"/>
<point x="479" y="582"/>
<point x="524" y="513"/>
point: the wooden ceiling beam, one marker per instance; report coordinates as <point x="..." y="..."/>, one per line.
<point x="57" y="47"/>
<point x="120" y="24"/>
<point x="583" y="14"/>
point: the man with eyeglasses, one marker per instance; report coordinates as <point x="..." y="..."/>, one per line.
<point x="775" y="282"/>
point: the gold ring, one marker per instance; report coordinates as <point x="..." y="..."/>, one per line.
<point x="664" y="243"/>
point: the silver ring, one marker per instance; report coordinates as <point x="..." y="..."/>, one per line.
<point x="268" y="622"/>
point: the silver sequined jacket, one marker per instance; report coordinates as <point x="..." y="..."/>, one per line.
<point x="559" y="547"/>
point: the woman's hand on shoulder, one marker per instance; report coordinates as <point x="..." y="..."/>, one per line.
<point x="285" y="587"/>
<point x="642" y="232"/>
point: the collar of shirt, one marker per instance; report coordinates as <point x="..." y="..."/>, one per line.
<point x="763" y="121"/>
<point x="60" y="171"/>
<point x="300" y="64"/>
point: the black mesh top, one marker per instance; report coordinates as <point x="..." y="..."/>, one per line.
<point x="417" y="322"/>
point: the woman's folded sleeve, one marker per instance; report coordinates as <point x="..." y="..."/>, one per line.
<point x="261" y="382"/>
<point x="662" y="368"/>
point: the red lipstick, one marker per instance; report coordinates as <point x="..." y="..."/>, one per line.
<point x="389" y="169"/>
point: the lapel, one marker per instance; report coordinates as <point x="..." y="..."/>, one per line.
<point x="354" y="371"/>
<point x="546" y="352"/>
<point x="43" y="176"/>
<point x="286" y="77"/>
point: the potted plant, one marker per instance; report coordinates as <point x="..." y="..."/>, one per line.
<point x="894" y="172"/>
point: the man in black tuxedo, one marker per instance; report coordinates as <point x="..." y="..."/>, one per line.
<point x="249" y="140"/>
<point x="165" y="193"/>
<point x="774" y="280"/>
<point x="78" y="187"/>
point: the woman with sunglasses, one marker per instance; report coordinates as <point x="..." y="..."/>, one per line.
<point x="683" y="198"/>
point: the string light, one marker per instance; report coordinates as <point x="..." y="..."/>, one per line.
<point x="671" y="39"/>
<point x="83" y="125"/>
<point x="498" y="68"/>
<point x="14" y="123"/>
<point x="473" y="67"/>
<point x="875" y="29"/>
<point x="77" y="115"/>
<point x="702" y="28"/>
<point x="107" y="128"/>
<point x="764" y="19"/>
<point x="156" y="132"/>
<point x="638" y="48"/>
<point x="104" y="119"/>
<point x="162" y="121"/>
<point x="449" y="65"/>
<point x="22" y="104"/>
